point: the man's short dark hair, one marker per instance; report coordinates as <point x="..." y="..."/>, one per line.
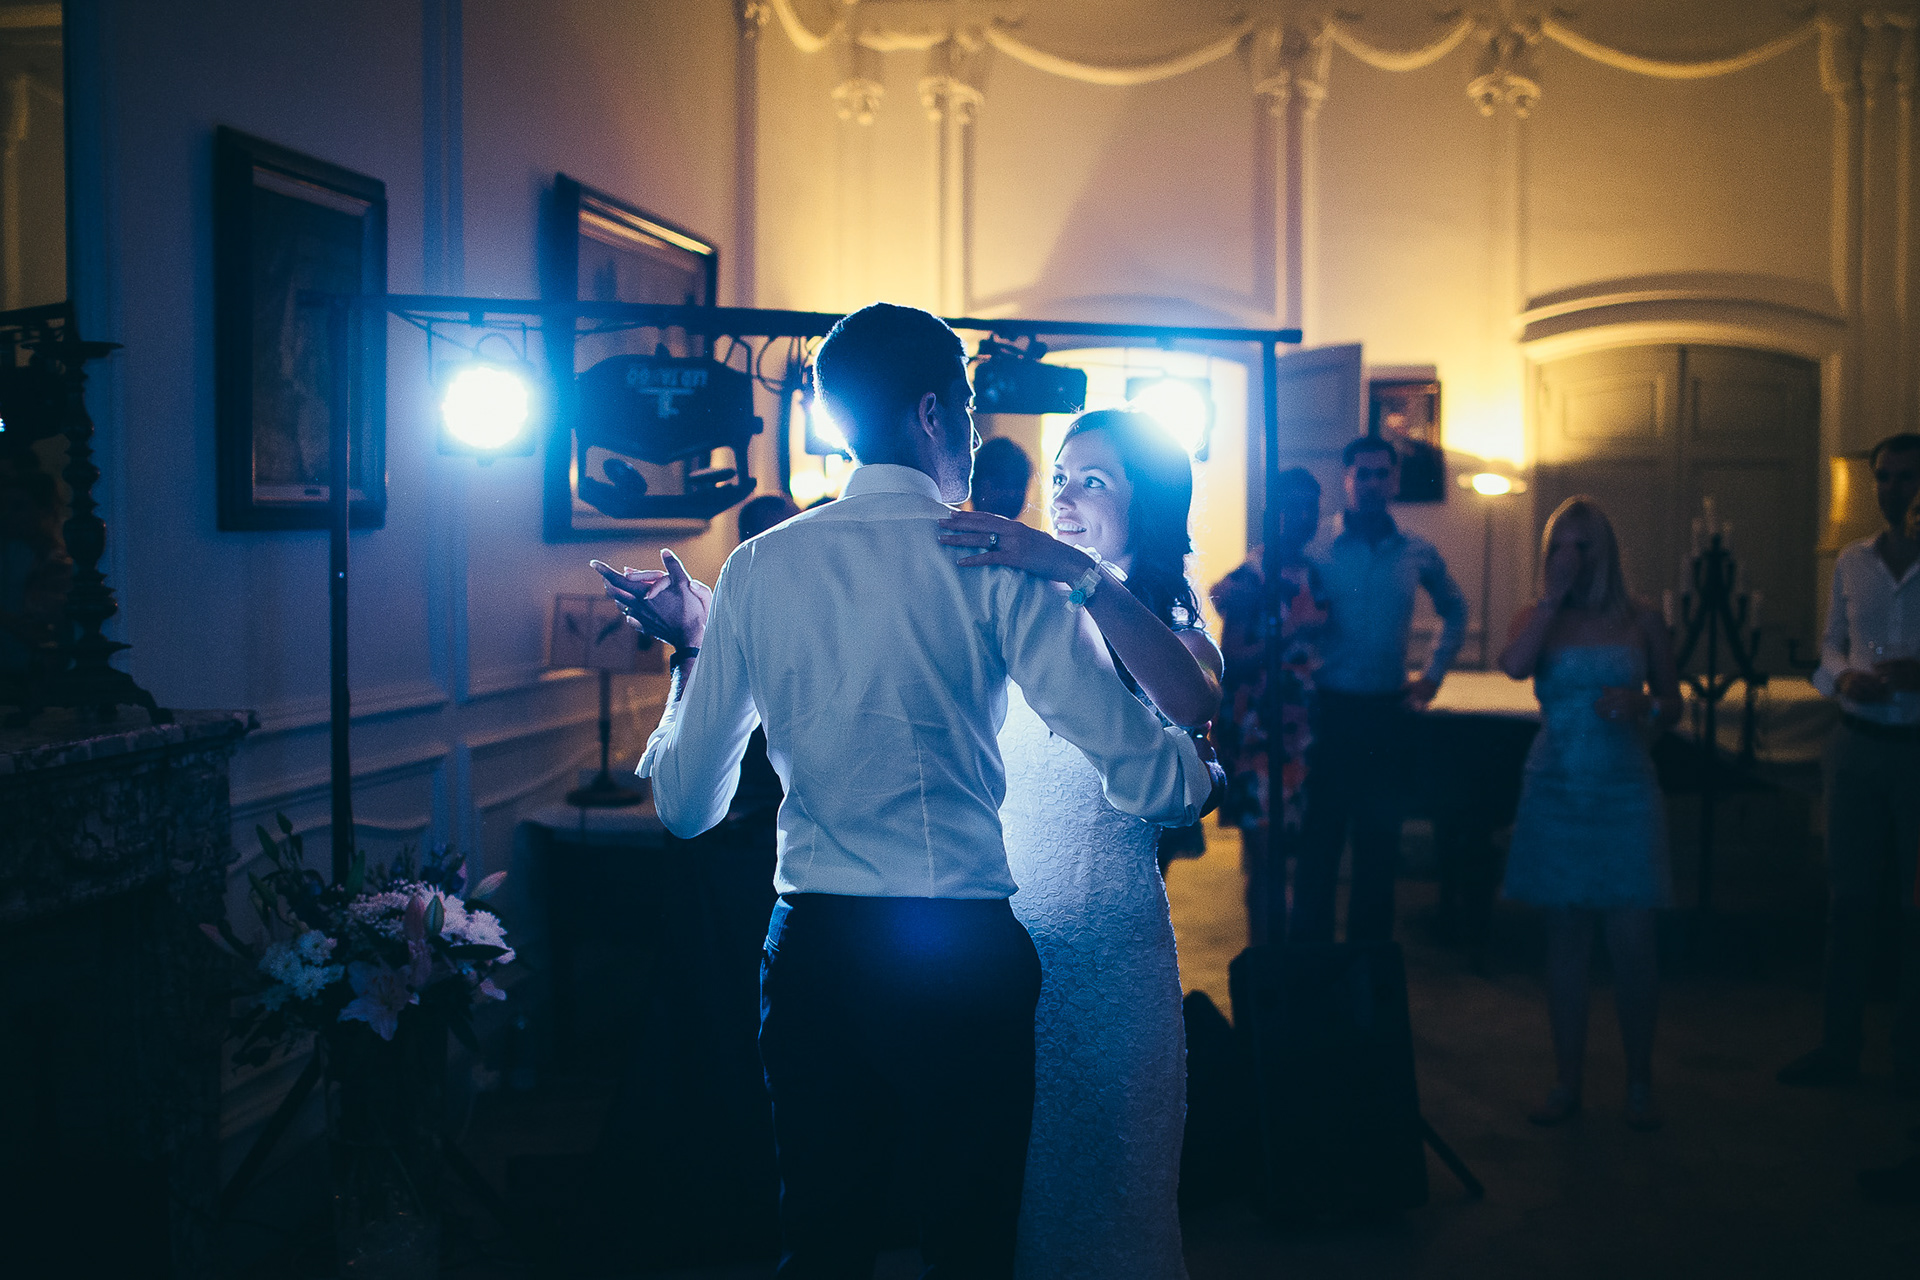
<point x="1367" y="444"/>
<point x="1905" y="442"/>
<point x="762" y="513"/>
<point x="875" y="366"/>
<point x="999" y="460"/>
<point x="1298" y="478"/>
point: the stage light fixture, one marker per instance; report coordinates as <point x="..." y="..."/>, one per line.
<point x="1014" y="379"/>
<point x="1184" y="406"/>
<point x="486" y="409"/>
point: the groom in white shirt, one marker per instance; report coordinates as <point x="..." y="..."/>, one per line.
<point x="896" y="986"/>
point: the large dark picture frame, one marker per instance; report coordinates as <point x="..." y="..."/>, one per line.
<point x="284" y="225"/>
<point x="598" y="248"/>
<point x="1406" y="413"/>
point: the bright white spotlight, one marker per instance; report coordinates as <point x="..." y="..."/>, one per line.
<point x="486" y="408"/>
<point x="1182" y="406"/>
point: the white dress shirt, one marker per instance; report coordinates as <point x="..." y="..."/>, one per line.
<point x="879" y="668"/>
<point x="1872" y="617"/>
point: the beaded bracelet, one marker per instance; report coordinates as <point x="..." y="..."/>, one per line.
<point x="1083" y="589"/>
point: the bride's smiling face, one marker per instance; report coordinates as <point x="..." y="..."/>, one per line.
<point x="1091" y="497"/>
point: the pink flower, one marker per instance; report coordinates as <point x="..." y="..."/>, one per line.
<point x="380" y="995"/>
<point x="414" y="924"/>
<point x="490" y="991"/>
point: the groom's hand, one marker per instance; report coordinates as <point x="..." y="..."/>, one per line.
<point x="668" y="605"/>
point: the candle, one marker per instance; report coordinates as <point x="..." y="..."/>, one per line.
<point x="1706" y="506"/>
<point x="1666" y="607"/>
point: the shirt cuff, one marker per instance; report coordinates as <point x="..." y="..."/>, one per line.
<point x="657" y="742"/>
<point x="1826" y="679"/>
<point x="1194" y="772"/>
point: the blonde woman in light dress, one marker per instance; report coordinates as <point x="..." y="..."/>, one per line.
<point x="1590" y="838"/>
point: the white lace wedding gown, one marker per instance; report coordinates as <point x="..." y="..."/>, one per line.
<point x="1110" y="1102"/>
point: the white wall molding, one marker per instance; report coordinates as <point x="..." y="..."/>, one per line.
<point x="1795" y="299"/>
<point x="379" y="703"/>
<point x="486" y="744"/>
<point x="501" y="682"/>
<point x="1684" y="323"/>
<point x="313" y="785"/>
<point x="569" y="765"/>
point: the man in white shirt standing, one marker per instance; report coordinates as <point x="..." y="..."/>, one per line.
<point x="1359" y="760"/>
<point x="896" y="985"/>
<point x="1870" y="663"/>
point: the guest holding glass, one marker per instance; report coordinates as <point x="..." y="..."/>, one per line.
<point x="1590" y="837"/>
<point x="1870" y="665"/>
<point x="1371" y="575"/>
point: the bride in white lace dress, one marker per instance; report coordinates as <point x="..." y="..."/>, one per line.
<point x="1103" y="1163"/>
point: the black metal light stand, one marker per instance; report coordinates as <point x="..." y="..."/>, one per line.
<point x="1720" y="636"/>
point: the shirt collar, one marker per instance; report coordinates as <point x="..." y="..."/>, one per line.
<point x="1393" y="528"/>
<point x="887" y="477"/>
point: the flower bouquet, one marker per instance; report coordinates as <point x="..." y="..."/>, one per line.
<point x="379" y="968"/>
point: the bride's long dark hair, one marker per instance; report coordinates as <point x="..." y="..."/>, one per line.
<point x="1161" y="475"/>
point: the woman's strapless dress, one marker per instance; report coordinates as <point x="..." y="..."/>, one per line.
<point x="1591" y="829"/>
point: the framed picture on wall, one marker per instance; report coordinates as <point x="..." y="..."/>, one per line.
<point x="284" y="225"/>
<point x="601" y="249"/>
<point x="1406" y="412"/>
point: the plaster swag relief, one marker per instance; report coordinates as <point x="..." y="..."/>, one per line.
<point x="1868" y="68"/>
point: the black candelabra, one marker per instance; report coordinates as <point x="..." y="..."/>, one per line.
<point x="1718" y="621"/>
<point x="59" y="652"/>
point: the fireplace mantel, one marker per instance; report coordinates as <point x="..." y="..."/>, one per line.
<point x="114" y="844"/>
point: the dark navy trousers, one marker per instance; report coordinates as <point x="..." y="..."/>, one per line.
<point x="883" y="1018"/>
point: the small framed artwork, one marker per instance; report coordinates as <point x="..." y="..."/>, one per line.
<point x="285" y="226"/>
<point x="601" y="249"/>
<point x="1406" y="412"/>
<point x="591" y="632"/>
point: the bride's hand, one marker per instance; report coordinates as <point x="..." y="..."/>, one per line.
<point x="1008" y="542"/>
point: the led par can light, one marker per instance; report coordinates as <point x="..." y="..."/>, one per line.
<point x="487" y="408"/>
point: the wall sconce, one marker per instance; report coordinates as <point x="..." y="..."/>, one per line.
<point x="1854" y="511"/>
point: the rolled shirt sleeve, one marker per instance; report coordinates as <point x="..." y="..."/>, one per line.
<point x="1062" y="667"/>
<point x="694" y="756"/>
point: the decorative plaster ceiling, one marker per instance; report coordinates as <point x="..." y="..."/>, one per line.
<point x="1123" y="31"/>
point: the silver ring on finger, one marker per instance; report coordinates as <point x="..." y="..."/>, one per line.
<point x="993" y="542"/>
